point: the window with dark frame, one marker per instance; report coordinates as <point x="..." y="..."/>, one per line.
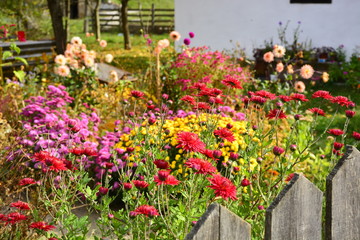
<point x="310" y="1"/>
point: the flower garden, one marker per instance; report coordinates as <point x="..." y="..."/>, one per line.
<point x="149" y="156"/>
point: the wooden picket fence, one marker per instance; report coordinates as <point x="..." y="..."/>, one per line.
<point x="296" y="213"/>
<point x="151" y="20"/>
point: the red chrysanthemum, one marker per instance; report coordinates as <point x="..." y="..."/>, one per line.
<point x="265" y="94"/>
<point x="210" y="92"/>
<point x="51" y="162"/>
<point x="20" y="205"/>
<point x="225" y="133"/>
<point x="291" y="175"/>
<point x="322" y="94"/>
<point x="317" y="111"/>
<point x="257" y="99"/>
<point x="276" y="113"/>
<point x="141" y="185"/>
<point x="90" y="152"/>
<point x="164" y="178"/>
<point x="232" y="82"/>
<point x="137" y="94"/>
<point x="189" y="141"/>
<point x="223" y="187"/>
<point x="349" y="113"/>
<point x="146" y="210"/>
<point x="201" y="166"/>
<point x="13" y="218"/>
<point x="77" y="151"/>
<point x="285" y="98"/>
<point x="341" y="100"/>
<point x="356" y="135"/>
<point x="298" y="97"/>
<point x="213" y="154"/>
<point x="26" y="181"/>
<point x="161" y="164"/>
<point x="216" y="100"/>
<point x="42" y="226"/>
<point x="188" y="99"/>
<point x="198" y="86"/>
<point x="335" y="132"/>
<point x="201" y="106"/>
<point x="338" y="145"/>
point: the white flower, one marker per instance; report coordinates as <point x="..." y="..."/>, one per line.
<point x="108" y="58"/>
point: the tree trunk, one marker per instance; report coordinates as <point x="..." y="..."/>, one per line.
<point x="125" y="24"/>
<point x="56" y="14"/>
<point x="67" y="18"/>
<point x="97" y="20"/>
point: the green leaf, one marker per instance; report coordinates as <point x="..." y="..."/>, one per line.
<point x="20" y="75"/>
<point x="23" y="60"/>
<point x="15" y="48"/>
<point x="6" y="55"/>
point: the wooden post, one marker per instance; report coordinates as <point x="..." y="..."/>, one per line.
<point x="1" y="69"/>
<point x="218" y="223"/>
<point x="296" y="212"/>
<point x="343" y="198"/>
<point x="152" y="18"/>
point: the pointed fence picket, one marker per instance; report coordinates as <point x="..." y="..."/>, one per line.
<point x="296" y="213"/>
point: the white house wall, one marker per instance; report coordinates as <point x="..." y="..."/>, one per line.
<point x="250" y="22"/>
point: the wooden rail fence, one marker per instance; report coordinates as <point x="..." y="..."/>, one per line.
<point x="296" y="213"/>
<point x="151" y="20"/>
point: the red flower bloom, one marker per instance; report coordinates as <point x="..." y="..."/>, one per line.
<point x="338" y="145"/>
<point x="211" y="153"/>
<point x="210" y="92"/>
<point x="265" y="94"/>
<point x="146" y="210"/>
<point x="13" y="218"/>
<point x="161" y="164"/>
<point x="356" y="135"/>
<point x="102" y="191"/>
<point x="231" y="82"/>
<point x="90" y="152"/>
<point x="141" y="185"/>
<point x="335" y="132"/>
<point x="276" y="113"/>
<point x="223" y="187"/>
<point x="291" y="175"/>
<point x="165" y="178"/>
<point x="127" y="186"/>
<point x="201" y="106"/>
<point x="77" y="151"/>
<point x="188" y="99"/>
<point x="51" y="162"/>
<point x="349" y="113"/>
<point x="26" y="181"/>
<point x="41" y="226"/>
<point x="322" y="94"/>
<point x="285" y="98"/>
<point x="317" y="111"/>
<point x="341" y="100"/>
<point x="137" y="94"/>
<point x="190" y="142"/>
<point x="258" y="99"/>
<point x="245" y="182"/>
<point x="225" y="133"/>
<point x="20" y="205"/>
<point x="298" y="97"/>
<point x="200" y="165"/>
<point x="198" y="86"/>
<point x="278" y="150"/>
<point x="56" y="165"/>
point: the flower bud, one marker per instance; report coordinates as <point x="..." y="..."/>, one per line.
<point x="245" y="182"/>
<point x="293" y="147"/>
<point x="278" y="150"/>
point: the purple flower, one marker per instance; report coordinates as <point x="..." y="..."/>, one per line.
<point x="191" y="34"/>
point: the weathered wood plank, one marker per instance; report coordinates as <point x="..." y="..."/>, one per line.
<point x="296" y="212"/>
<point x="218" y="223"/>
<point x="343" y="198"/>
<point x="232" y="226"/>
<point x="208" y="225"/>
